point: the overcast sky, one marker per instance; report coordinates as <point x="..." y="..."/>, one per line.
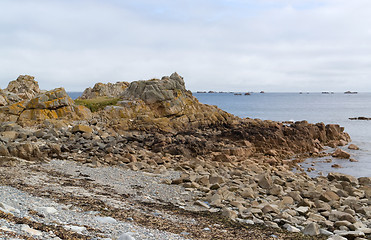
<point x="232" y="45"/>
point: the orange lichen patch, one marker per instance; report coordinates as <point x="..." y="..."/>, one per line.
<point x="38" y="114"/>
<point x="15" y="108"/>
<point x="83" y="112"/>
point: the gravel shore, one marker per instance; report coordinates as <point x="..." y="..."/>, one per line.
<point x="68" y="200"/>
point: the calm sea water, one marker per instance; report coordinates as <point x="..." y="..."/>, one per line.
<point x="314" y="107"/>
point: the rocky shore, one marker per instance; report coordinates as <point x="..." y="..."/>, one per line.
<point x="158" y="164"/>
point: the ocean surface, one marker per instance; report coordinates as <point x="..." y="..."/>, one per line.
<point x="314" y="107"/>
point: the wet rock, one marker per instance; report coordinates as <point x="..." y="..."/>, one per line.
<point x="353" y="147"/>
<point x="339" y="153"/>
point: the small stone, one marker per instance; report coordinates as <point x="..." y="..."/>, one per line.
<point x="82" y="128"/>
<point x="292" y="229"/>
<point x="353" y="147"/>
<point x="329" y="196"/>
<point x="325" y="232"/>
<point x="76" y="229"/>
<point x="105" y="220"/>
<point x="271" y="224"/>
<point x="8" y="208"/>
<point x="337" y="237"/>
<point x="216" y="180"/>
<point x="312" y="229"/>
<point x="49" y="210"/>
<point x="336" y="166"/>
<point x="248" y="193"/>
<point x="270" y="208"/>
<point x="125" y="236"/>
<point x="202" y="204"/>
<point x="342" y="223"/>
<point x="265" y="181"/>
<point x="302" y="210"/>
<point x="6" y="229"/>
<point x="226" y="212"/>
<point x="287" y="200"/>
<point x="31" y="231"/>
<point x="339" y="153"/>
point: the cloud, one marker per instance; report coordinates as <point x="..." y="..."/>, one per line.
<point x="215" y="44"/>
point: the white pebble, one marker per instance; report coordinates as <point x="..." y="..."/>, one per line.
<point x="105" y="220"/>
<point x="49" y="210"/>
<point x="31" y="231"/>
<point x="126" y="236"/>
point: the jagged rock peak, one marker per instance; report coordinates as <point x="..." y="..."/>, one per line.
<point x="156" y="90"/>
<point x="25" y="86"/>
<point x="105" y="90"/>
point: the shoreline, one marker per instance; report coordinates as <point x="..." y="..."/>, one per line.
<point x="235" y="170"/>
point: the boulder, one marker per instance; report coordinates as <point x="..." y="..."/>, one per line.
<point x="312" y="229"/>
<point x="329" y="196"/>
<point x="25" y="87"/>
<point x="353" y="147"/>
<point x="112" y="90"/>
<point x="342" y="177"/>
<point x="3" y="98"/>
<point x="265" y="181"/>
<point x="54" y="104"/>
<point x="339" y="153"/>
<point x="81" y="128"/>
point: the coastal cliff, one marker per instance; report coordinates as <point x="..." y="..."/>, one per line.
<point x="237" y="168"/>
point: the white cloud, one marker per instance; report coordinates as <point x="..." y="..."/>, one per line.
<point x="216" y="44"/>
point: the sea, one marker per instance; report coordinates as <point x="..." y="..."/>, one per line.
<point x="328" y="108"/>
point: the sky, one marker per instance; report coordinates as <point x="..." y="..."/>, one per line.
<point x="220" y="45"/>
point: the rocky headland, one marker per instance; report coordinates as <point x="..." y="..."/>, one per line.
<point x="231" y="177"/>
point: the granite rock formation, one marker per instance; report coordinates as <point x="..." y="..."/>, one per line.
<point x="112" y="90"/>
<point x="22" y="101"/>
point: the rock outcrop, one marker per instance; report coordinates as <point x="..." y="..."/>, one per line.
<point x="164" y="105"/>
<point x="113" y="90"/>
<point x="54" y="104"/>
<point x="25" y="87"/>
<point x="22" y="101"/>
<point x="238" y="167"/>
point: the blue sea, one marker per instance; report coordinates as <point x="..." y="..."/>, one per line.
<point x="314" y="107"/>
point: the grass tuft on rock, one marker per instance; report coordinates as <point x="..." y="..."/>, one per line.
<point x="98" y="103"/>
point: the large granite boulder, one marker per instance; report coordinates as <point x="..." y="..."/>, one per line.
<point x="105" y="90"/>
